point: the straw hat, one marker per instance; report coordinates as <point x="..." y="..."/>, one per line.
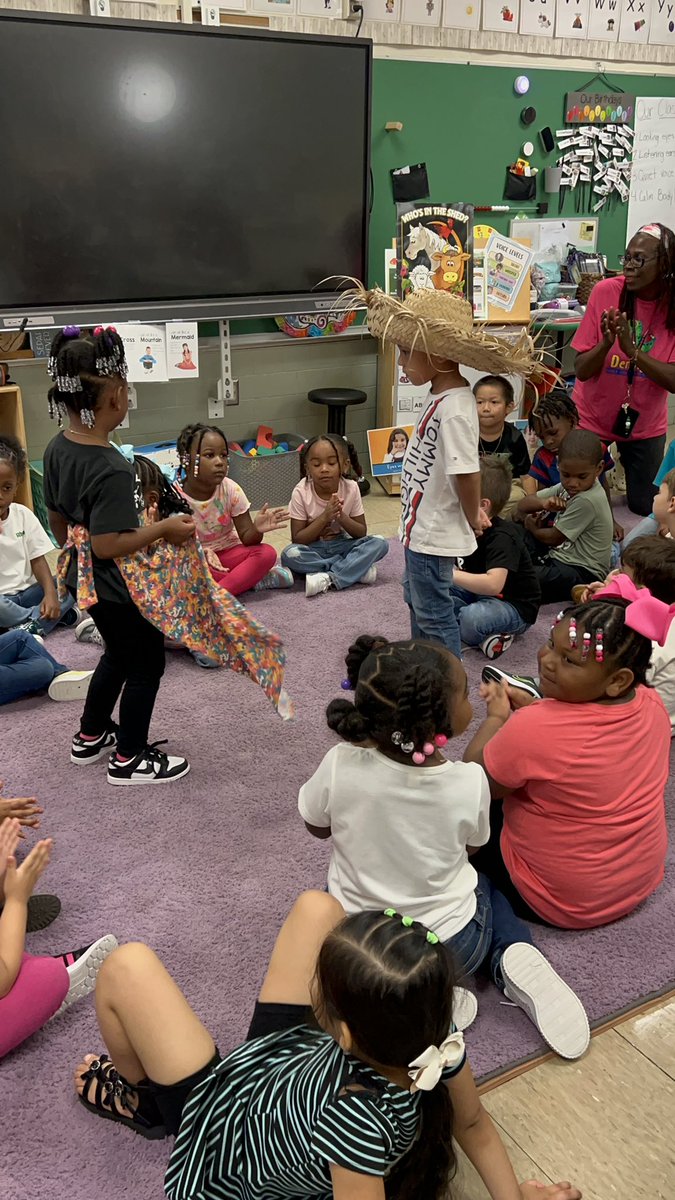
<point x="441" y="325"/>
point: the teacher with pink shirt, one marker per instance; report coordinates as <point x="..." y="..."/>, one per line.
<point x="625" y="362"/>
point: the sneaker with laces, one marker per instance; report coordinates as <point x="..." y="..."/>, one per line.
<point x="317" y="583"/>
<point x="278" y="577"/>
<point x="87" y="632"/>
<point x="88" y="750"/>
<point x="70" y="618"/>
<point x="70" y="685"/>
<point x="527" y="683"/>
<point x="464" y="1008"/>
<point x="33" y="627"/>
<point x="83" y="967"/>
<point x="150" y="766"/>
<point x="531" y="983"/>
<point x="493" y="646"/>
<point x="370" y="575"/>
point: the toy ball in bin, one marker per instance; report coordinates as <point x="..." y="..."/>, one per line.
<point x="266" y="468"/>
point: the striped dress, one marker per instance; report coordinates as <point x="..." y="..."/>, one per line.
<point x="271" y="1117"/>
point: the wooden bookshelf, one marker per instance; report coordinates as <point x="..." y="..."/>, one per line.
<point x="11" y="422"/>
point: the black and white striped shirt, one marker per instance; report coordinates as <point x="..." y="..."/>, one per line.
<point x="272" y="1116"/>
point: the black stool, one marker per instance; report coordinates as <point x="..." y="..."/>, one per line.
<point x="336" y="401"/>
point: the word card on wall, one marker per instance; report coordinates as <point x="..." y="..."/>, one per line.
<point x="537" y="17"/>
<point x="571" y="19"/>
<point x="635" y="20"/>
<point x="603" y="20"/>
<point x="461" y="14"/>
<point x="501" y="15"/>
<point x="662" y="29"/>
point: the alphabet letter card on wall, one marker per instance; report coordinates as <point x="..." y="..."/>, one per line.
<point x="603" y="20"/>
<point x="662" y="29"/>
<point x="537" y="17"/>
<point x="501" y="15"/>
<point x="422" y="12"/>
<point x="461" y="14"/>
<point x="382" y="10"/>
<point x="635" y="21"/>
<point x="571" y="19"/>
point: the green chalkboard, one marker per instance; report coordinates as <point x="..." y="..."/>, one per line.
<point x="464" y="122"/>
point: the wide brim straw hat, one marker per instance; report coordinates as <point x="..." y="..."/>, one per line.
<point x="441" y="325"/>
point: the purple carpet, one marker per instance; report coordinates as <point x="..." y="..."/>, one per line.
<point x="205" y="870"/>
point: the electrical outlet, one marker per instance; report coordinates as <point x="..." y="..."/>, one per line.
<point x="99" y="8"/>
<point x="133" y="397"/>
<point x="232" y="394"/>
<point x="210" y="14"/>
<point x="352" y="10"/>
<point x="216" y="409"/>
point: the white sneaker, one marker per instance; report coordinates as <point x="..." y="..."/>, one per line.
<point x="70" y="685"/>
<point x="315" y="584"/>
<point x="84" y="968"/>
<point x="493" y="646"/>
<point x="87" y="632"/>
<point x="370" y="575"/>
<point x="464" y="1008"/>
<point x="532" y="984"/>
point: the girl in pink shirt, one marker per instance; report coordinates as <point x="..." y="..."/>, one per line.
<point x="233" y="543"/>
<point x="331" y="546"/>
<point x="581" y="839"/>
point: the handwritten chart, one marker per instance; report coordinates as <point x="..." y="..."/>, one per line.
<point x="652" y="189"/>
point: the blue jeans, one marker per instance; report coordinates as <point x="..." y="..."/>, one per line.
<point x="482" y="616"/>
<point x="25" y="606"/>
<point x="345" y="559"/>
<point x="647" y="527"/>
<point x="25" y="666"/>
<point x="427" y="590"/>
<point x="493" y="928"/>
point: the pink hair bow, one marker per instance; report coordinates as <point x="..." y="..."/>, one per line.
<point x="645" y="614"/>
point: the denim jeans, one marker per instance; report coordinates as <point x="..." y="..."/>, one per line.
<point x="25" y="606"/>
<point x="647" y="527"/>
<point x="25" y="666"/>
<point x="345" y="559"/>
<point x="482" y="616"/>
<point x="427" y="590"/>
<point x="493" y="927"/>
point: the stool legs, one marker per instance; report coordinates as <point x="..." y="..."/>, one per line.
<point x="336" y="420"/>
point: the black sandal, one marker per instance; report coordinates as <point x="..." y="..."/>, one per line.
<point x="113" y="1088"/>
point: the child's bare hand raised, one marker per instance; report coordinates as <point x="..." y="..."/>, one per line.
<point x="496" y="697"/>
<point x="25" y="809"/>
<point x="269" y="519"/>
<point x="334" y="507"/>
<point x="20" y="881"/>
<point x="533" y="1190"/>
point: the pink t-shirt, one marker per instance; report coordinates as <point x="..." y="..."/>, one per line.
<point x="599" y="399"/>
<point x="213" y="518"/>
<point x="584" y="836"/>
<point x="305" y="505"/>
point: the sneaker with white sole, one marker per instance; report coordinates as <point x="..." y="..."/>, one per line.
<point x="70" y="685"/>
<point x="317" y="583"/>
<point x="527" y="683"/>
<point x="532" y="984"/>
<point x="83" y="966"/>
<point x="87" y="750"/>
<point x="87" y="631"/>
<point x="370" y="575"/>
<point x="493" y="646"/>
<point x="464" y="1008"/>
<point x="150" y="766"/>
<point x="278" y="577"/>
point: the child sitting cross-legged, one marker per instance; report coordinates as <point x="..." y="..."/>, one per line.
<point x="495" y="590"/>
<point x="238" y="558"/>
<point x="404" y="822"/>
<point x="494" y="402"/>
<point x="577" y="547"/>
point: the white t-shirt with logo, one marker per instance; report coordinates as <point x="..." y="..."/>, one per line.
<point x="400" y="833"/>
<point x="444" y="444"/>
<point x="22" y="538"/>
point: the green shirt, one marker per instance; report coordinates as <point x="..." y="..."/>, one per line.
<point x="588" y="527"/>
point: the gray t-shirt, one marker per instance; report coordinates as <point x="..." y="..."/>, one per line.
<point x="588" y="526"/>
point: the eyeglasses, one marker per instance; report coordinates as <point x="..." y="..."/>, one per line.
<point x="638" y="259"/>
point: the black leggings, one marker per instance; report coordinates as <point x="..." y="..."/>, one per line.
<point x="134" y="661"/>
<point x="488" y="860"/>
<point x="641" y="460"/>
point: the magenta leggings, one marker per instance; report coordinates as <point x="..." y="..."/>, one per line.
<point x="38" y="992"/>
<point x="244" y="567"/>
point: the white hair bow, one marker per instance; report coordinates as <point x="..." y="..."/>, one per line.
<point x="429" y="1066"/>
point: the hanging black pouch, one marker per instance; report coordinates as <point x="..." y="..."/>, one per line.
<point x="626" y="421"/>
<point x="520" y="187"/>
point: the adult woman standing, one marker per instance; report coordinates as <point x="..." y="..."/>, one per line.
<point x="625" y="363"/>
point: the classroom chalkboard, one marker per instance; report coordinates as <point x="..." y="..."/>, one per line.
<point x="464" y="122"/>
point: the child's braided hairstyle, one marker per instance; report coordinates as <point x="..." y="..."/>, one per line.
<point x="81" y="365"/>
<point x="344" y="449"/>
<point x="190" y="439"/>
<point x="12" y="452"/>
<point x="557" y="405"/>
<point x="627" y="647"/>
<point x="151" y="477"/>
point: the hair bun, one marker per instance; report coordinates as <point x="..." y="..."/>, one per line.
<point x="358" y="653"/>
<point x="346" y="721"/>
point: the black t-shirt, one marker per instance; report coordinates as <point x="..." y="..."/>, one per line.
<point x="503" y="545"/>
<point x="513" y="444"/>
<point x="92" y="486"/>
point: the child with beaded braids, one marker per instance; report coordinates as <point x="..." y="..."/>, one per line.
<point x="89" y="487"/>
<point x="404" y="821"/>
<point x="581" y="837"/>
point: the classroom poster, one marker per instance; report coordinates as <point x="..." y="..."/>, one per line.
<point x="409" y="398"/>
<point x="571" y="18"/>
<point x="497" y="14"/>
<point x="635" y="21"/>
<point x="145" y="349"/>
<point x="182" y="351"/>
<point x="537" y="17"/>
<point x="506" y="266"/>
<point x="382" y="10"/>
<point x="603" y="20"/>
<point x="461" y="14"/>
<point x="330" y="9"/>
<point x="275" y="7"/>
<point x="422" y="12"/>
<point x="387" y="448"/>
<point x="662" y="28"/>
<point x="434" y="247"/>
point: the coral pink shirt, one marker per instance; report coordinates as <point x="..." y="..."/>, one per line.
<point x="584" y="836"/>
<point x="599" y="399"/>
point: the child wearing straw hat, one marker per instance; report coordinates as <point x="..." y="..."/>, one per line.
<point x="440" y="479"/>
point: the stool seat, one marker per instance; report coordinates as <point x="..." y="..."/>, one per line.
<point x="336" y="401"/>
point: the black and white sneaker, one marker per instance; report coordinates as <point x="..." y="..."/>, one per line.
<point x="85" y="751"/>
<point x="150" y="766"/>
<point x="527" y="683"/>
